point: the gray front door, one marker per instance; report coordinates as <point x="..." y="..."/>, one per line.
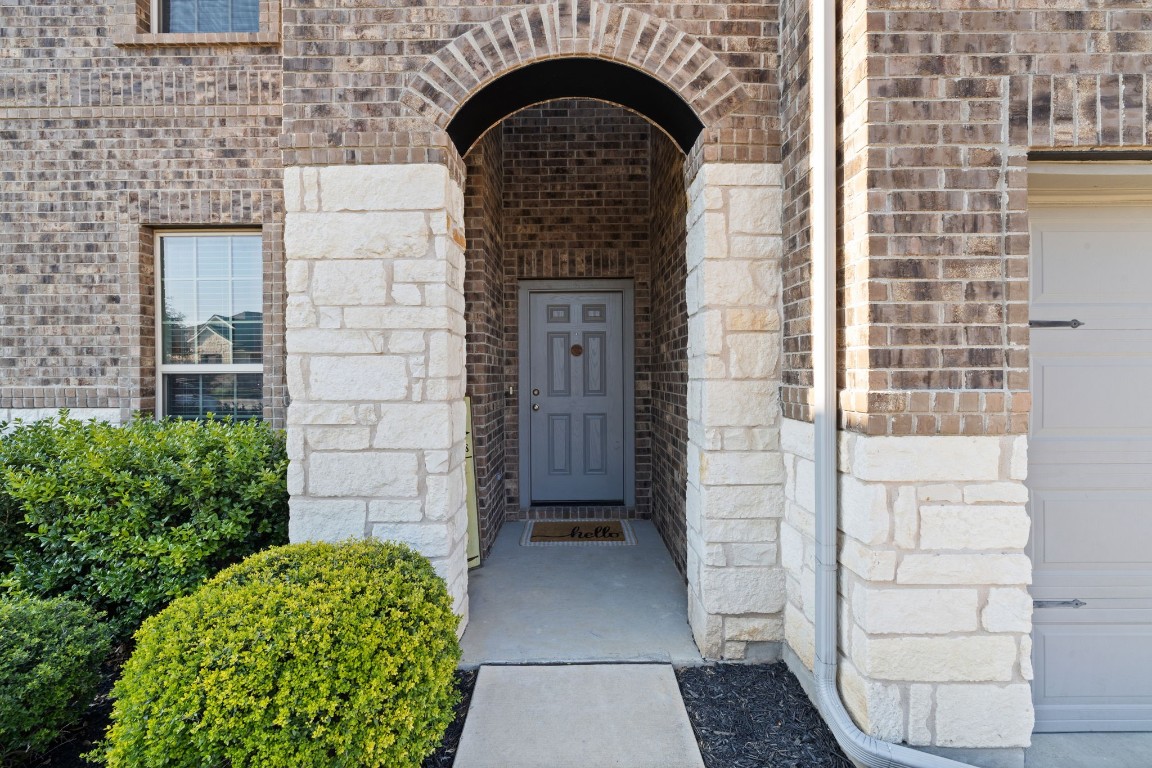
<point x="575" y="364"/>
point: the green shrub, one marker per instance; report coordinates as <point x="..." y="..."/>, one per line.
<point x="50" y="657"/>
<point x="125" y="518"/>
<point x="305" y="656"/>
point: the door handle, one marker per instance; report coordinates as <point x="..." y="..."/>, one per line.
<point x="1073" y="323"/>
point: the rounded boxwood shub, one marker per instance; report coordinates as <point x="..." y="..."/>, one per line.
<point x="308" y="655"/>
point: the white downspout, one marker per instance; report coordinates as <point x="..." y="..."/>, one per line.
<point x="860" y="747"/>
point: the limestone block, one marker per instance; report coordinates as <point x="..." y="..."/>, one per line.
<point x="714" y="554"/>
<point x="445" y="354"/>
<point x="791" y="548"/>
<point x="323" y="237"/>
<point x="805" y="478"/>
<point x="739" y="175"/>
<point x="738" y="283"/>
<point x="738" y="319"/>
<point x="798" y="437"/>
<point x="401" y="342"/>
<point x="396" y="318"/>
<point x="296" y="477"/>
<point x="1018" y="464"/>
<point x="755" y="210"/>
<point x="735" y="530"/>
<point x="801" y="518"/>
<point x="414" y="425"/>
<point x="361" y="378"/>
<point x="905" y="518"/>
<point x="868" y="562"/>
<point x="964" y="569"/>
<point x="396" y="511"/>
<point x="973" y="527"/>
<point x="863" y="510"/>
<point x="301" y="412"/>
<point x="429" y="539"/>
<point x="751" y="553"/>
<point x="921" y="699"/>
<point x="938" y="493"/>
<point x="742" y="590"/>
<point x="984" y="715"/>
<point x="374" y="474"/>
<point x="329" y="341"/>
<point x="1026" y="670"/>
<point x="937" y="659"/>
<point x="753" y="355"/>
<point x="996" y="492"/>
<point x="926" y="459"/>
<point x="1008" y="610"/>
<point x="422" y="271"/>
<point x="754" y="629"/>
<point x="767" y="248"/>
<point x="706" y="332"/>
<point x="741" y="468"/>
<point x="876" y="706"/>
<point x="325" y="520"/>
<point x="707" y="628"/>
<point x="349" y="283"/>
<point x="407" y="294"/>
<point x="800" y="635"/>
<point x="741" y="501"/>
<point x="444" y="495"/>
<point x="384" y="187"/>
<point x="914" y="611"/>
<point x="338" y="438"/>
<point x="300" y="312"/>
<point x="738" y="403"/>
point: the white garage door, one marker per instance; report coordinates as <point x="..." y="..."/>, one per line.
<point x="1090" y="467"/>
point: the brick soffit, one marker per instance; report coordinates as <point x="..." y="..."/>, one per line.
<point x="573" y="29"/>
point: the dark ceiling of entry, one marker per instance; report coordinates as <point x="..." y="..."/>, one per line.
<point x="575" y="77"/>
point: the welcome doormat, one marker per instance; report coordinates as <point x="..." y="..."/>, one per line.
<point x="577" y="533"/>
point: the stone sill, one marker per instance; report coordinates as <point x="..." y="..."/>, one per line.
<point x="141" y="39"/>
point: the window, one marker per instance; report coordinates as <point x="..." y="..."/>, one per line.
<point x="201" y="16"/>
<point x="211" y="325"/>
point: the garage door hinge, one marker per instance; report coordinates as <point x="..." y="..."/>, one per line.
<point x="1058" y="603"/>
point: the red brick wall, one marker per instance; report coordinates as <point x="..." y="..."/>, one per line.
<point x="101" y="144"/>
<point x="484" y="289"/>
<point x="669" y="360"/>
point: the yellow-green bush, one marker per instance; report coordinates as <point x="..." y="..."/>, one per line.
<point x="305" y="656"/>
<point x="125" y="518"/>
<point x="50" y="657"/>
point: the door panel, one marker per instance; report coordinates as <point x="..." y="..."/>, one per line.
<point x="1090" y="469"/>
<point x="575" y="360"/>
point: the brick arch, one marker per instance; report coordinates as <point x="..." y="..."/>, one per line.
<point x="573" y="29"/>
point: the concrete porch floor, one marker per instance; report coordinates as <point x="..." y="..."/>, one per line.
<point x="539" y="605"/>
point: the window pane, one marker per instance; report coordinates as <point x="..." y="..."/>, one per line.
<point x="209" y="318"/>
<point x="210" y="15"/>
<point x="194" y="396"/>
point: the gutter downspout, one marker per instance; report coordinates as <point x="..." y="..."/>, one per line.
<point x="860" y="747"/>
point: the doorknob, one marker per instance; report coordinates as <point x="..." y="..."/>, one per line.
<point x="535" y="406"/>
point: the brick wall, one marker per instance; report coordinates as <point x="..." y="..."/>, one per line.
<point x="669" y="346"/>
<point x="103" y="145"/>
<point x="484" y="290"/>
<point x="941" y="108"/>
<point x="350" y="96"/>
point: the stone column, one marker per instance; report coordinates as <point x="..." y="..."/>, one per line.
<point x="735" y="470"/>
<point x="375" y="343"/>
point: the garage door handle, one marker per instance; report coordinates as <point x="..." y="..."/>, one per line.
<point x="1058" y="603"/>
<point x="1055" y="323"/>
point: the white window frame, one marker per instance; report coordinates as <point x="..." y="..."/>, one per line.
<point x="163" y="368"/>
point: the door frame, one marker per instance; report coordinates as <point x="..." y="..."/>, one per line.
<point x="626" y="288"/>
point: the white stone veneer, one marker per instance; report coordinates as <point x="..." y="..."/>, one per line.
<point x="936" y="616"/>
<point x="375" y="343"/>
<point x="735" y="473"/>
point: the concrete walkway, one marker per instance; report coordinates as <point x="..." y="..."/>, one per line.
<point x="577" y="604"/>
<point x="583" y="716"/>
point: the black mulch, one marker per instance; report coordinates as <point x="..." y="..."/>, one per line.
<point x="756" y="716"/>
<point x="445" y="754"/>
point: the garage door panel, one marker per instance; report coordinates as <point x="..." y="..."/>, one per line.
<point x="1090" y="469"/>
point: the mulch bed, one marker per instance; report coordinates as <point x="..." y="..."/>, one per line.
<point x="445" y="754"/>
<point x="756" y="716"/>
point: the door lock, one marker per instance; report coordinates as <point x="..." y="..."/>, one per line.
<point x="535" y="393"/>
<point x="535" y="406"/>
